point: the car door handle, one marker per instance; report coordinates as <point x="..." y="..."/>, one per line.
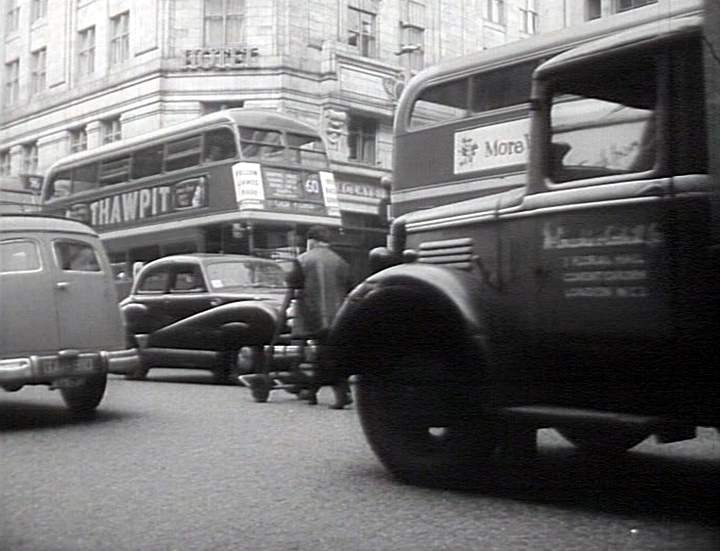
<point x="215" y="302"/>
<point x="62" y="285"/>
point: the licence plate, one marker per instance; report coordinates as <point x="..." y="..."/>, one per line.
<point x="52" y="366"/>
<point x="67" y="382"/>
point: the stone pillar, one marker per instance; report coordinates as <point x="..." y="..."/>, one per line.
<point x="94" y="135"/>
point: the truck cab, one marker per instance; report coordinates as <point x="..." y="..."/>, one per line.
<point x="584" y="300"/>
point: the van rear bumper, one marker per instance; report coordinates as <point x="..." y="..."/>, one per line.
<point x="122" y="361"/>
<point x="43" y="369"/>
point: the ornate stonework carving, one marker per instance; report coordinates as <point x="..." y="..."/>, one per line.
<point x="334" y="125"/>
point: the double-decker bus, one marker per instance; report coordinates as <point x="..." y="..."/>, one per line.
<point x="583" y="298"/>
<point x="234" y="181"/>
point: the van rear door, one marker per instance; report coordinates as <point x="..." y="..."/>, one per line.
<point x="85" y="296"/>
<point x="28" y="317"/>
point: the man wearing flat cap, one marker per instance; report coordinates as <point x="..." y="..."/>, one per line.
<point x="325" y="282"/>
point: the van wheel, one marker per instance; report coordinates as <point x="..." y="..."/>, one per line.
<point x="602" y="441"/>
<point x="86" y="397"/>
<point x="423" y="422"/>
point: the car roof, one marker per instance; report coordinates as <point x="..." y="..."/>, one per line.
<point x="42" y="223"/>
<point x="209" y="258"/>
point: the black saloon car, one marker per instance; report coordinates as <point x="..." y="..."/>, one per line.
<point x="198" y="310"/>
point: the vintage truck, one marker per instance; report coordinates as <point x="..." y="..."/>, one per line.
<point x="553" y="261"/>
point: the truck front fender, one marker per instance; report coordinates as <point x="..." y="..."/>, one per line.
<point x="410" y="305"/>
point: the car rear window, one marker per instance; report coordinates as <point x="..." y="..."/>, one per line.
<point x="245" y="274"/>
<point x="19" y="255"/>
<point x="188" y="279"/>
<point x="76" y="256"/>
<point x="154" y="282"/>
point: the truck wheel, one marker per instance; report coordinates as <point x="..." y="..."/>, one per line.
<point x="86" y="397"/>
<point x="422" y="420"/>
<point x="593" y="441"/>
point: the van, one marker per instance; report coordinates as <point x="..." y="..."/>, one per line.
<point x="60" y="324"/>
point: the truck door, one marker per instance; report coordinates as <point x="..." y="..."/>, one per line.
<point x="605" y="226"/>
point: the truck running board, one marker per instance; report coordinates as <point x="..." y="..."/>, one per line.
<point x="547" y="416"/>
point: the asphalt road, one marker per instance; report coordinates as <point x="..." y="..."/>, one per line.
<point x="176" y="463"/>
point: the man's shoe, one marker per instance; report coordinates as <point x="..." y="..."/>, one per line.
<point x="309" y="395"/>
<point x="342" y="400"/>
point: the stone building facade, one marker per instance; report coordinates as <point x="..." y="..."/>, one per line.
<point x="80" y="73"/>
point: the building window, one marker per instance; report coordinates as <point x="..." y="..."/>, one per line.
<point x="39" y="71"/>
<point x="30" y="158"/>
<point x="623" y="5"/>
<point x="119" y="38"/>
<point x="362" y="135"/>
<point x="530" y="17"/>
<point x="593" y="9"/>
<point x="111" y="130"/>
<point x="412" y="35"/>
<point x="361" y="30"/>
<point x="86" y="52"/>
<point x="224" y="22"/>
<point x="5" y="162"/>
<point x="78" y="139"/>
<point x="12" y="16"/>
<point x="214" y="106"/>
<point x="38" y="10"/>
<point x="12" y="82"/>
<point x="496" y="11"/>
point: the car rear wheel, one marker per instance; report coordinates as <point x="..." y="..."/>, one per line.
<point x="140" y="372"/>
<point x="87" y="396"/>
<point x="594" y="441"/>
<point x="260" y="393"/>
<point x="421" y="417"/>
<point x="229" y="371"/>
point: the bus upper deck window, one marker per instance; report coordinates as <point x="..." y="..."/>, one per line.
<point x="114" y="171"/>
<point x="261" y="144"/>
<point x="147" y="161"/>
<point x="60" y="185"/>
<point x="85" y="178"/>
<point x="182" y="153"/>
<point x="502" y="87"/>
<point x="219" y="145"/>
<point x="308" y="150"/>
<point x="443" y="102"/>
